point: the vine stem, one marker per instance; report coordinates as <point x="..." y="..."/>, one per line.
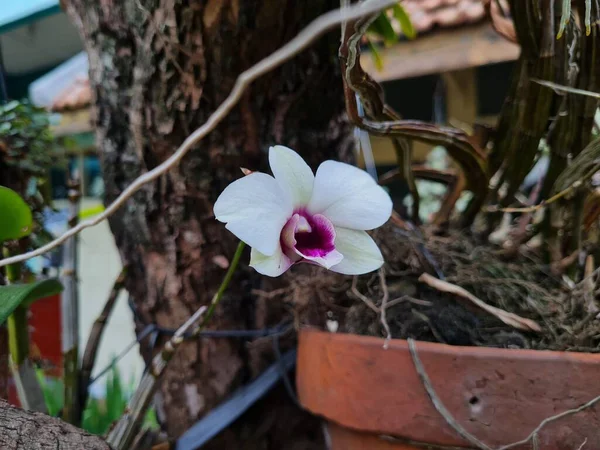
<point x="128" y="426"/>
<point x="224" y="285"/>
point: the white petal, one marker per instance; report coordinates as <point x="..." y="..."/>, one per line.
<point x="272" y="266"/>
<point x="361" y="254"/>
<point x="328" y="261"/>
<point x="255" y="209"/>
<point x="349" y="197"/>
<point x="292" y="173"/>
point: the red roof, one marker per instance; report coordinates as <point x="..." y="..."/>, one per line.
<point x="75" y="96"/>
<point x="425" y="15"/>
<point x="429" y="14"/>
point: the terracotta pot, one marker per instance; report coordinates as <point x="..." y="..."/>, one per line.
<point x="374" y="399"/>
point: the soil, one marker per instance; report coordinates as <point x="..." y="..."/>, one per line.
<point x="520" y="284"/>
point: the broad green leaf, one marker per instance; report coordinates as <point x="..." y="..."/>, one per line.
<point x="14" y="295"/>
<point x="383" y="28"/>
<point x="405" y="23"/>
<point x="15" y="216"/>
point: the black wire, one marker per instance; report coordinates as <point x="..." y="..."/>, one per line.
<point x="274" y="332"/>
<point x="154" y="331"/>
<point x="149" y="329"/>
<point x="284" y="373"/>
<point x="240" y="334"/>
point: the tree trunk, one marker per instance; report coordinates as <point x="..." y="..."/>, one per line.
<point x="23" y="430"/>
<point x="158" y="68"/>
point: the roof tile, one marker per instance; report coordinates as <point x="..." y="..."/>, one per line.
<point x="75" y="96"/>
<point x="429" y="14"/>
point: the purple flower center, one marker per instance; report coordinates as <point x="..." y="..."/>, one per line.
<point x="310" y="237"/>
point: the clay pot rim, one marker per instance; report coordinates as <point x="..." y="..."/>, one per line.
<point x="354" y="381"/>
<point x="437" y="347"/>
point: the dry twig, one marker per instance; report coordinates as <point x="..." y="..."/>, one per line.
<point x="384" y="300"/>
<point x="439" y="406"/>
<point x="529" y="209"/>
<point x="589" y="286"/>
<point x="93" y="342"/>
<point x="508" y="318"/>
<point x="366" y="300"/>
<point x="543" y="423"/>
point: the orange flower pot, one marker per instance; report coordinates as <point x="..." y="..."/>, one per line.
<point x="374" y="399"/>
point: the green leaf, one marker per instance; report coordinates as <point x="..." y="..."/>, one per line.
<point x="377" y="59"/>
<point x="15" y="216"/>
<point x="115" y="398"/>
<point x="382" y="27"/>
<point x="53" y="392"/>
<point x="15" y="295"/>
<point x="405" y="23"/>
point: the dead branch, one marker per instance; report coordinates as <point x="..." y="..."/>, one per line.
<point x="508" y="318"/>
<point x="93" y="342"/>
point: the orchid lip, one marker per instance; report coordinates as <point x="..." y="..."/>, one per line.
<point x="310" y="238"/>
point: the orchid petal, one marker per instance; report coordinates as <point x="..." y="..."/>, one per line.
<point x="349" y="197"/>
<point x="327" y="261"/>
<point x="327" y="255"/>
<point x="255" y="209"/>
<point x="292" y="173"/>
<point x="361" y="254"/>
<point x="271" y="266"/>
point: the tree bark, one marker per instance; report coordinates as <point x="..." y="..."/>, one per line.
<point x="23" y="430"/>
<point x="158" y="68"/>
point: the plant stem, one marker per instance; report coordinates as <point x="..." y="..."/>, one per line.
<point x="224" y="284"/>
<point x="70" y="315"/>
<point x="18" y="341"/>
<point x="129" y="424"/>
<point x="18" y="332"/>
<point x="13" y="271"/>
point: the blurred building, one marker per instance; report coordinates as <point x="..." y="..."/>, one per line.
<point x="455" y="72"/>
<point x="41" y="58"/>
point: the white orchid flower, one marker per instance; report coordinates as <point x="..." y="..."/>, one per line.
<point x="296" y="216"/>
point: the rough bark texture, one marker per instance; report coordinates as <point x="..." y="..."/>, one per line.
<point x="28" y="430"/>
<point x="158" y="69"/>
